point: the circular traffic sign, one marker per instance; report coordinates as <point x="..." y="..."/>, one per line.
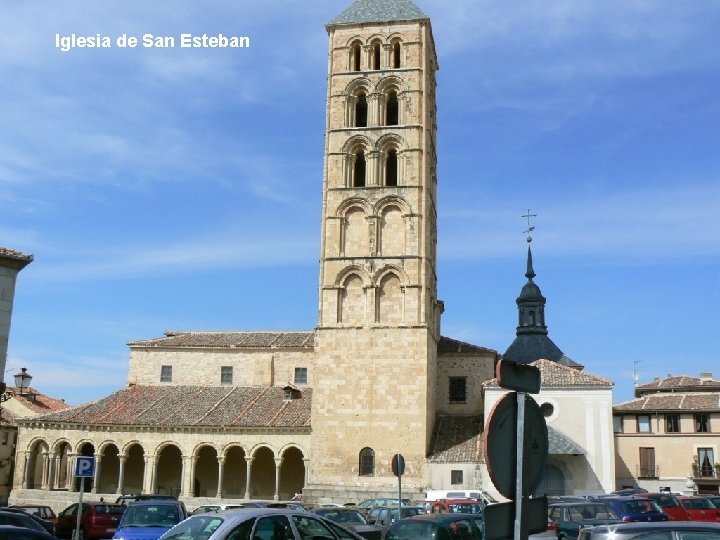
<point x="500" y="442"/>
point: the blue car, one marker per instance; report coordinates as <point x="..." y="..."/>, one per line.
<point x="150" y="519"/>
<point x="635" y="508"/>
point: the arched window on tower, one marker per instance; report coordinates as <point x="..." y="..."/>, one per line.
<point x="361" y="111"/>
<point x="396" y="55"/>
<point x="367" y="462"/>
<point x="392" y="109"/>
<point x="355" y="53"/>
<point x="376" y="56"/>
<point x="391" y="168"/>
<point x="359" y="169"/>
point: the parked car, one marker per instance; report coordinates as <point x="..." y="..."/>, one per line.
<point x="635" y="508"/>
<point x="47" y="526"/>
<point x="12" y="532"/>
<point x="368" y="504"/>
<point x="148" y="520"/>
<point x="18" y="518"/>
<point x="98" y="520"/>
<point x="628" y="491"/>
<point x="437" y="526"/>
<point x="351" y="519"/>
<point x="699" y="508"/>
<point x="463" y="506"/>
<point x="570" y="518"/>
<point x="424" y="504"/>
<point x="715" y="499"/>
<point x="479" y="494"/>
<point x="39" y="510"/>
<point x="215" y="508"/>
<point x="659" y="530"/>
<point x="259" y="524"/>
<point x="132" y="497"/>
<point x="383" y="516"/>
<point x="669" y="504"/>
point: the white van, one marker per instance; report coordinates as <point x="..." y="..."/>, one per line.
<point x="436" y="494"/>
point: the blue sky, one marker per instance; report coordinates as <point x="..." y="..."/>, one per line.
<point x="180" y="189"/>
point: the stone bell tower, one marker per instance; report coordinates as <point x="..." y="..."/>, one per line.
<point x="378" y="322"/>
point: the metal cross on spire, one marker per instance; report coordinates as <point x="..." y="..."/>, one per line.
<point x="530" y="228"/>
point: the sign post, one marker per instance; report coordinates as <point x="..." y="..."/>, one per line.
<point x="84" y="467"/>
<point x="398" y="468"/>
<point x="516" y="421"/>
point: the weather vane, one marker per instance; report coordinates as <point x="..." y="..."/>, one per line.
<point x="530" y="228"/>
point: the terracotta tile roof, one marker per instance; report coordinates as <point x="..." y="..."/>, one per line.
<point x="456" y="439"/>
<point x="39" y="404"/>
<point x="211" y="406"/>
<point x="249" y="340"/>
<point x="447" y="345"/>
<point x="673" y="383"/>
<point x="666" y="401"/>
<point x="14" y="258"/>
<point x="554" y="374"/>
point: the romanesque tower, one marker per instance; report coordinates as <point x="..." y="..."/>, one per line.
<point x="378" y="323"/>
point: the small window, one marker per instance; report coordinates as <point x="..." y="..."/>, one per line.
<point x="361" y="110"/>
<point x="367" y="462"/>
<point x="643" y="423"/>
<point x="166" y="374"/>
<point x="702" y="423"/>
<point x="456" y="477"/>
<point x="618" y="424"/>
<point x="355" y="57"/>
<point x="359" y="170"/>
<point x="5" y="437"/>
<point x="458" y="389"/>
<point x="226" y="375"/>
<point x="300" y="375"/>
<point x="672" y="423"/>
<point x="647" y="463"/>
<point x="396" y="54"/>
<point x="376" y="56"/>
<point x="391" y="169"/>
<point x="392" y="109"/>
<point x="706" y="461"/>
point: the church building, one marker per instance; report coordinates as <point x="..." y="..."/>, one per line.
<point x="265" y="415"/>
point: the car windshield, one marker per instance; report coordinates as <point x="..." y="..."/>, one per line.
<point x="639" y="507"/>
<point x="151" y="516"/>
<point x="666" y="501"/>
<point x="417" y="530"/>
<point x="466" y="508"/>
<point x="591" y="511"/>
<point x="195" y="528"/>
<point x="343" y="517"/>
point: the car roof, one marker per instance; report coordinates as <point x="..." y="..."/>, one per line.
<point x="442" y="518"/>
<point x="155" y="502"/>
<point x="655" y="525"/>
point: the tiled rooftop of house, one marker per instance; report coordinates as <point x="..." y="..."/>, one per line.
<point x="456" y="439"/>
<point x="554" y="374"/>
<point x="673" y="383"/>
<point x="240" y="340"/>
<point x="666" y="401"/>
<point x="211" y="406"/>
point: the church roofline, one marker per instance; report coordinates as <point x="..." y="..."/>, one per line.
<point x="378" y="11"/>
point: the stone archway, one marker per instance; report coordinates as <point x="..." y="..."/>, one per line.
<point x="134" y="469"/>
<point x="234" y="473"/>
<point x="292" y="474"/>
<point x="109" y="471"/>
<point x="262" y="474"/>
<point x="552" y="482"/>
<point x="86" y="449"/>
<point x="168" y="470"/>
<point x="36" y="463"/>
<point x="205" y="483"/>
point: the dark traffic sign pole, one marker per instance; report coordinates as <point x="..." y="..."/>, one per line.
<point x="398" y="468"/>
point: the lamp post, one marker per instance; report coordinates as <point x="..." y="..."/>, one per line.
<point x="22" y="381"/>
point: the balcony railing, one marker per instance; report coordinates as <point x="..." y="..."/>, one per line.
<point x="642" y="471"/>
<point x="705" y="472"/>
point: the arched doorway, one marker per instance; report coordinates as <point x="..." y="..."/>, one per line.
<point x="168" y="470"/>
<point x="552" y="482"/>
<point x="234" y="473"/>
<point x="262" y="474"/>
<point x="292" y="473"/>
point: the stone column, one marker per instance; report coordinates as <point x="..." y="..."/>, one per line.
<point x="306" y="463"/>
<point x="121" y="474"/>
<point x="248" y="464"/>
<point x="186" y="487"/>
<point x="96" y="476"/>
<point x="45" y="471"/>
<point x="149" y="476"/>
<point x="21" y="462"/>
<point x="69" y="478"/>
<point x="221" y="468"/>
<point x="278" y="462"/>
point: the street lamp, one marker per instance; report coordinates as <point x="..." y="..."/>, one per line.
<point x="22" y="381"/>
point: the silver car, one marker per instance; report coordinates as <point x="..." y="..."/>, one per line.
<point x="657" y="530"/>
<point x="258" y="524"/>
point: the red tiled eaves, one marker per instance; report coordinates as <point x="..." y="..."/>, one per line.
<point x="239" y="340"/>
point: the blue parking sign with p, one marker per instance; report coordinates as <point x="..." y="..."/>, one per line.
<point x="84" y="466"/>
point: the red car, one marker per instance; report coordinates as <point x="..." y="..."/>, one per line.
<point x="669" y="504"/>
<point x="98" y="520"/>
<point x="699" y="508"/>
